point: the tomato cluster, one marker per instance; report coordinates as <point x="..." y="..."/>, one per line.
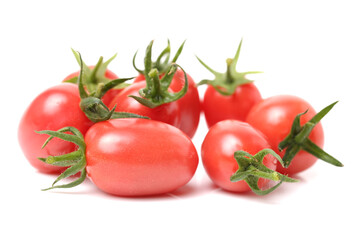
<point x="136" y="139"/>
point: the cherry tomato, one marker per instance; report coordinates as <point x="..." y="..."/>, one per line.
<point x="132" y="157"/>
<point x="218" y="148"/>
<point x="168" y="113"/>
<point x="110" y="94"/>
<point x="274" y="117"/>
<point x="54" y="108"/>
<point x="218" y="107"/>
<point x="189" y="104"/>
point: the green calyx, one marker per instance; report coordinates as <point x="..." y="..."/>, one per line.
<point x="298" y="139"/>
<point x="75" y="161"/>
<point x="95" y="76"/>
<point x="91" y="103"/>
<point x="226" y="83"/>
<point x="162" y="63"/>
<point x="156" y="91"/>
<point x="251" y="169"/>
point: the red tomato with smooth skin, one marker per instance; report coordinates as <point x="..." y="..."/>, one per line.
<point x="110" y="94"/>
<point x="274" y="117"/>
<point x="55" y="108"/>
<point x="218" y="107"/>
<point x="189" y="104"/>
<point x="217" y="152"/>
<point x="138" y="157"/>
<point x="167" y="113"/>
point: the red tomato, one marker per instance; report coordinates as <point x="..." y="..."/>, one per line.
<point x="274" y="117"/>
<point x="217" y="152"/>
<point x="108" y="97"/>
<point x="167" y="113"/>
<point x="53" y="109"/>
<point x="218" y="107"/>
<point x="189" y="104"/>
<point x="132" y="157"/>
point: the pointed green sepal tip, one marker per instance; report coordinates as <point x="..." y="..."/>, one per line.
<point x="145" y="102"/>
<point x="251" y="169"/>
<point x="298" y="139"/>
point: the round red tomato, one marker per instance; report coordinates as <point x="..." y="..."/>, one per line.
<point x="133" y="157"/>
<point x="110" y="94"/>
<point x="274" y="117"/>
<point x="189" y="104"/>
<point x="53" y="109"/>
<point x="167" y="113"/>
<point x="217" y="152"/>
<point x="218" y="107"/>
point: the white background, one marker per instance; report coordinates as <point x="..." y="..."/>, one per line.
<point x="311" y="49"/>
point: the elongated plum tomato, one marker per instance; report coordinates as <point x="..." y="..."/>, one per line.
<point x="189" y="104"/>
<point x="217" y="152"/>
<point x="274" y="117"/>
<point x="218" y="107"/>
<point x="134" y="157"/>
<point x="167" y="113"/>
<point x="110" y="94"/>
<point x="55" y="108"/>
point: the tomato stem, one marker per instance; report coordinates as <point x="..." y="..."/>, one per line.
<point x="91" y="103"/>
<point x="156" y="91"/>
<point x="75" y="161"/>
<point x="251" y="168"/>
<point x="95" y="76"/>
<point x="229" y="77"/>
<point x="161" y="66"/>
<point x="298" y="139"/>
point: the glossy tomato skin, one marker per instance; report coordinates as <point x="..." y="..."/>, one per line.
<point x="108" y="97"/>
<point x="190" y="106"/>
<point x="218" y="107"/>
<point x="167" y="113"/>
<point x="55" y="108"/>
<point x="217" y="152"/>
<point x="274" y="117"/>
<point x="139" y="157"/>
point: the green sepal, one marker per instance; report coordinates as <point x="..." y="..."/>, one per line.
<point x="298" y="139"/>
<point x="156" y="92"/>
<point x="75" y="161"/>
<point x="251" y="169"/>
<point x="116" y="115"/>
<point x="64" y="160"/>
<point x="76" y="182"/>
<point x="93" y="77"/>
<point x="226" y="83"/>
<point x="91" y="103"/>
<point x="162" y="62"/>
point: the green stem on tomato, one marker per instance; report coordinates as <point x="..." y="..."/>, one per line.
<point x="251" y="169"/>
<point x="95" y="76"/>
<point x="161" y="66"/>
<point x="156" y="91"/>
<point x="75" y="161"/>
<point x="298" y="139"/>
<point x="91" y="103"/>
<point x="226" y="83"/>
